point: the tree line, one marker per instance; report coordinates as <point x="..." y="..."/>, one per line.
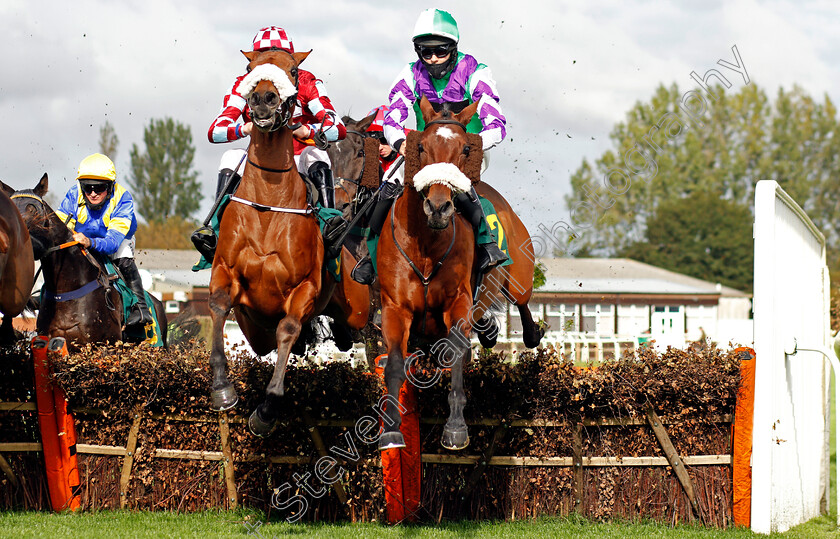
<point x="162" y="181"/>
<point x="692" y="212"/>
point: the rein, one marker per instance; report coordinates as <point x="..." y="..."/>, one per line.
<point x="425" y="280"/>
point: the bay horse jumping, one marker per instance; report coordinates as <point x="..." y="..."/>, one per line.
<point x="17" y="264"/>
<point x="426" y="258"/>
<point x="79" y="302"/>
<point x="354" y="159"/>
<point x="269" y="266"/>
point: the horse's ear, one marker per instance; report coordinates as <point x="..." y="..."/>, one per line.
<point x="426" y="109"/>
<point x="6" y="189"/>
<point x="412" y="155"/>
<point x="472" y="163"/>
<point x="250" y="55"/>
<point x="43" y="186"/>
<point x="366" y="122"/>
<point x="301" y="56"/>
<point x="467" y="113"/>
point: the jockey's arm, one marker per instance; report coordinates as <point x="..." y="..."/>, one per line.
<point x="482" y="88"/>
<point x="400" y="100"/>
<point x="227" y="127"/>
<point x="312" y="95"/>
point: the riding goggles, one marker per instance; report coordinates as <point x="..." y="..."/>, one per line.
<point x="98" y="187"/>
<point x="441" y="51"/>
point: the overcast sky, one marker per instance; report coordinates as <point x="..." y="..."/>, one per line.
<point x="566" y="72"/>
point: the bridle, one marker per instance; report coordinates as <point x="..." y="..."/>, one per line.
<point x="102" y="280"/>
<point x="354" y="204"/>
<point x="284" y="111"/>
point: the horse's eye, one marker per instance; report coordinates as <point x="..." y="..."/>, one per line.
<point x="420" y="148"/>
<point x="248" y="68"/>
<point x="361" y="153"/>
<point x="294" y="72"/>
<point x="467" y="150"/>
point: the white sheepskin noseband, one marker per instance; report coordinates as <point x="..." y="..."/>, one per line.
<point x="445" y="173"/>
<point x="271" y="73"/>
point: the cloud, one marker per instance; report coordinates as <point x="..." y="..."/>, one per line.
<point x="566" y="71"/>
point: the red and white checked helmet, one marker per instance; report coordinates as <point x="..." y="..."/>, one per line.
<point x="273" y="36"/>
<point x="379" y="120"/>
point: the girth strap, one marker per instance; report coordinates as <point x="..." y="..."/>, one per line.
<point x="263" y="207"/>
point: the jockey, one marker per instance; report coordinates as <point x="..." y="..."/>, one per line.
<point x="314" y="116"/>
<point x="387" y="155"/>
<point x="100" y="212"/>
<point x="443" y="75"/>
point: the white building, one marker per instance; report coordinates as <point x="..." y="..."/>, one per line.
<point x="600" y="304"/>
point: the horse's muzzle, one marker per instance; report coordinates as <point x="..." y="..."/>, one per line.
<point x="438" y="217"/>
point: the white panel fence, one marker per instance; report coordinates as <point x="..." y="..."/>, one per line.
<point x="790" y="459"/>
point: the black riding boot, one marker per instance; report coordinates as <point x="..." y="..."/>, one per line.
<point x="322" y="177"/>
<point x="140" y="315"/>
<point x="204" y="238"/>
<point x="489" y="254"/>
<point x="363" y="272"/>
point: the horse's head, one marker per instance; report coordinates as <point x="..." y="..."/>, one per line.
<point x="355" y="164"/>
<point x="270" y="87"/>
<point x="38" y="216"/>
<point x="441" y="154"/>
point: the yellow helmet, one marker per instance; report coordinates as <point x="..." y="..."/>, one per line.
<point x="97" y="167"/>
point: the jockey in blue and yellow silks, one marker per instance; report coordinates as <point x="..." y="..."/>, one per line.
<point x="100" y="212"/>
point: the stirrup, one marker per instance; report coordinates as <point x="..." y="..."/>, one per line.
<point x="204" y="240"/>
<point x="490" y="256"/>
<point x="363" y="272"/>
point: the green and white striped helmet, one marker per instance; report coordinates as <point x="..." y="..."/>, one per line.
<point x="436" y="22"/>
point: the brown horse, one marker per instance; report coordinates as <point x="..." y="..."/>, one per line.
<point x="79" y="301"/>
<point x="354" y="157"/>
<point x="426" y="258"/>
<point x="269" y="265"/>
<point x="17" y="264"/>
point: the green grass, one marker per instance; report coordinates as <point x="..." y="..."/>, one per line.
<point x="123" y="524"/>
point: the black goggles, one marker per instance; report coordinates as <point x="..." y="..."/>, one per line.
<point x="441" y="51"/>
<point x="91" y="188"/>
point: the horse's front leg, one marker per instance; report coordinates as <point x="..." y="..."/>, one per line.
<point x="223" y="395"/>
<point x="453" y="352"/>
<point x="299" y="307"/>
<point x="395" y="327"/>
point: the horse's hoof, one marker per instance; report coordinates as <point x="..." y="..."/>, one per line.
<point x="258" y="427"/>
<point x="223" y="399"/>
<point x="455" y="439"/>
<point x="391" y="440"/>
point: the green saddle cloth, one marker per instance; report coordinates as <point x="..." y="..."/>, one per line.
<point x="323" y="214"/>
<point x="150" y="334"/>
<point x="495" y="233"/>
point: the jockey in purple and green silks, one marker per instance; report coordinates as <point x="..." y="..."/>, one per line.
<point x="460" y="80"/>
<point x="442" y="75"/>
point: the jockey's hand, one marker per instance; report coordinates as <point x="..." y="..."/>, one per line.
<point x="246" y="129"/>
<point x="302" y="133"/>
<point x="82" y="239"/>
<point x="402" y="149"/>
